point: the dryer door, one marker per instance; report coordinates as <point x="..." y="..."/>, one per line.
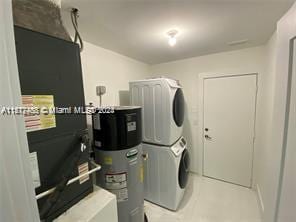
<point x="178" y="107"/>
<point x="184" y="169"/>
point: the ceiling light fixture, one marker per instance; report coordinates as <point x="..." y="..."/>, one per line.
<point x="172" y="37"/>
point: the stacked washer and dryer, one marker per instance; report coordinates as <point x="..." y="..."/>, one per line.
<point x="167" y="167"/>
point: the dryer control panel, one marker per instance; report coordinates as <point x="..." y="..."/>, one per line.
<point x="179" y="146"/>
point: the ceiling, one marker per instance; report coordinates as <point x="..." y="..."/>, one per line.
<point x="137" y="28"/>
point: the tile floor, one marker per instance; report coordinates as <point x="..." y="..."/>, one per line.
<point x="209" y="200"/>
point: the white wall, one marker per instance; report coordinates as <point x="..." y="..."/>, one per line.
<point x="286" y="210"/>
<point x="269" y="157"/>
<point x="282" y="128"/>
<point x="104" y="67"/>
<point x="267" y="160"/>
<point x="244" y="61"/>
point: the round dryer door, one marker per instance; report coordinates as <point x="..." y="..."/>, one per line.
<point x="178" y="107"/>
<point x="184" y="169"/>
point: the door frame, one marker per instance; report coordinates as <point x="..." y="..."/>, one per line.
<point x="286" y="35"/>
<point x="200" y="109"/>
<point x="18" y="202"/>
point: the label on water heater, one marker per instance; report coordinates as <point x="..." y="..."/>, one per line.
<point x="110" y="178"/>
<point x="98" y="143"/>
<point x="131" y="126"/>
<point x="116" y="186"/>
<point x="121" y="195"/>
<point x="116" y="183"/>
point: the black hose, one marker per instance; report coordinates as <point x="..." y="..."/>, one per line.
<point x="55" y="196"/>
<point x="77" y="36"/>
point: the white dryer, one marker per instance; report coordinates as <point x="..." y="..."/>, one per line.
<point x="162" y="103"/>
<point x="166" y="173"/>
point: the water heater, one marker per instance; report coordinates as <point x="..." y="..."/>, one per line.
<point x="117" y="146"/>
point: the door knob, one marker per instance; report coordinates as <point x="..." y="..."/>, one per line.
<point x="208" y="137"/>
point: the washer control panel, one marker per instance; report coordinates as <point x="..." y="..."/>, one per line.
<point x="179" y="146"/>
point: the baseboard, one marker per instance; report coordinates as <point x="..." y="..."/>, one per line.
<point x="260" y="199"/>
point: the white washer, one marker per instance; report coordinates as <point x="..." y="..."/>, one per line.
<point x="166" y="173"/>
<point x="162" y="103"/>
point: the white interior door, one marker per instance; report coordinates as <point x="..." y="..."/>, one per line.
<point x="229" y="118"/>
